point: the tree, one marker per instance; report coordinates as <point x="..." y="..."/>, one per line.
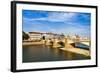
<point x="62" y="35"/>
<point x="43" y="37"/>
<point x="25" y="36"/>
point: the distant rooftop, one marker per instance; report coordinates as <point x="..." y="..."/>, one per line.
<point x="43" y="33"/>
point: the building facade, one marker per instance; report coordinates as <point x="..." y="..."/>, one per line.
<point x="35" y="35"/>
<point x="40" y="35"/>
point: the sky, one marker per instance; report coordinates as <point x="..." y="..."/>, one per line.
<point x="68" y="23"/>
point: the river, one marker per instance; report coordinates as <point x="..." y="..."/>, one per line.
<point x="41" y="53"/>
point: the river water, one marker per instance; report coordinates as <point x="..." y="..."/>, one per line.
<point x="41" y="53"/>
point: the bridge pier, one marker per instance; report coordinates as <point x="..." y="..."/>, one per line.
<point x="66" y="43"/>
<point x="54" y="43"/>
<point x="44" y="42"/>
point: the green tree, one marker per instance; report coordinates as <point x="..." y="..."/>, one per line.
<point x="25" y="36"/>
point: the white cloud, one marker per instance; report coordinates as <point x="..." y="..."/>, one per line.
<point x="54" y="17"/>
<point x="60" y="17"/>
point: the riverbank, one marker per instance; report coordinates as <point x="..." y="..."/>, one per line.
<point x="32" y="43"/>
<point x="78" y="51"/>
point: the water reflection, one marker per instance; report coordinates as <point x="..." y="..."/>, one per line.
<point x="41" y="53"/>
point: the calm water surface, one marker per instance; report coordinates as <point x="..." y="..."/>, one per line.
<point x="45" y="53"/>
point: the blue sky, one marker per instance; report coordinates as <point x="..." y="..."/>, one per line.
<point x="69" y="23"/>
